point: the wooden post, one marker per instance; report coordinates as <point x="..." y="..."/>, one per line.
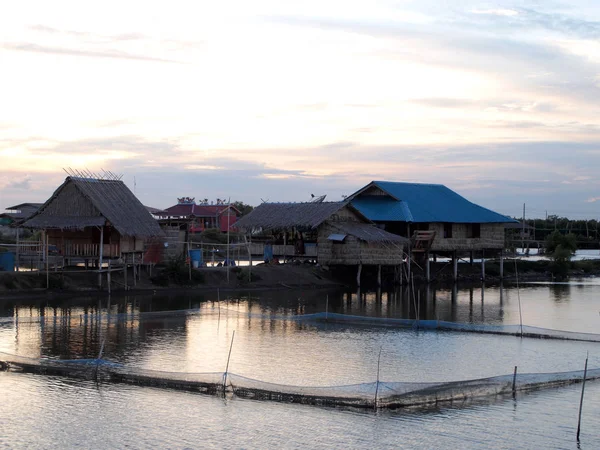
<point x="46" y="258"/>
<point x="501" y="264"/>
<point x="17" y="253"/>
<point x="581" y="401"/>
<point x="100" y="255"/>
<point x="227" y="367"/>
<point x="427" y="268"/>
<point x="133" y="268"/>
<point x="379" y="275"/>
<point x="358" y="274"/>
<point x="471" y="257"/>
<point x="284" y="245"/>
<point x="482" y="265"/>
<point x="514" y="384"/>
<point x="108" y="276"/>
<point x="455" y="266"/>
<point x="408" y="273"/>
<point x="125" y="270"/>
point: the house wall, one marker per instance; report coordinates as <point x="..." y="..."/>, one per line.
<point x="353" y="251"/>
<point x="86" y="242"/>
<point x="491" y="237"/>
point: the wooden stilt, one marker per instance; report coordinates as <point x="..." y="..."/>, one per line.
<point x="482" y="265"/>
<point x="379" y="275"/>
<point x="358" y="275"/>
<point x="501" y="264"/>
<point x="427" y="268"/>
<point x="454" y="267"/>
<point x="100" y="253"/>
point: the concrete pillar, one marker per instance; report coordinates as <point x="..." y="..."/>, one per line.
<point x="501" y="264"/>
<point x="427" y="268"/>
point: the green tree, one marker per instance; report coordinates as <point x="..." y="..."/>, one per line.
<point x="561" y="248"/>
<point x="242" y="207"/>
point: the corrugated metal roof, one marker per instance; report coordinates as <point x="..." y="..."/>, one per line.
<point x="426" y="203"/>
<point x="336" y="237"/>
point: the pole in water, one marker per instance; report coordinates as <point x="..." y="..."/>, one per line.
<point x="581" y="401"/>
<point x="519" y="297"/>
<point x="377" y="383"/>
<point x="514" y="385"/>
<point x="227" y="367"/>
<point x="326" y="306"/>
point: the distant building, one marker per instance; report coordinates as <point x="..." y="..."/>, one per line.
<point x="202" y="216"/>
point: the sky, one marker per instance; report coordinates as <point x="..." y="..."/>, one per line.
<point x="277" y="100"/>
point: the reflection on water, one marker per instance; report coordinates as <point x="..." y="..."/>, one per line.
<point x="144" y="331"/>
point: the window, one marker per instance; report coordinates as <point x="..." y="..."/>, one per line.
<point x="447" y="230"/>
<point x="474" y="230"/>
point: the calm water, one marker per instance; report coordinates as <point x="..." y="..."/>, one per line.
<point x="49" y="412"/>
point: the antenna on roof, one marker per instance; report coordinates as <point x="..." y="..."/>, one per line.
<point x="318" y="199"/>
<point x="264" y="201"/>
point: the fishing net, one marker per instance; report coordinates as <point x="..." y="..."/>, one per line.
<point x="377" y="394"/>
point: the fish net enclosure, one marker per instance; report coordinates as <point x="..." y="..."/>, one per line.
<point x="376" y="394"/>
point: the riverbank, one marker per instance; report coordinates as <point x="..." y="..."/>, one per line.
<point x="263" y="277"/>
<point x="276" y="276"/>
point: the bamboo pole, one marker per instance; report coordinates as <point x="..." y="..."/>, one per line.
<point x="17" y="252"/>
<point x="228" y="215"/>
<point x="227" y="367"/>
<point x="519" y="297"/>
<point x="581" y="401"/>
<point x="377" y="383"/>
<point x="100" y="255"/>
<point x="46" y="257"/>
<point x="514" y="383"/>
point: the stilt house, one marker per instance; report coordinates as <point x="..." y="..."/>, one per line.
<point x="342" y="235"/>
<point x="438" y="220"/>
<point x="90" y="219"/>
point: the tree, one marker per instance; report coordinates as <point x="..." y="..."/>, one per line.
<point x="561" y="248"/>
<point x="242" y="207"/>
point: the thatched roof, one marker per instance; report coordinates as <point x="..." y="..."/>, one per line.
<point x="271" y="216"/>
<point x="83" y="202"/>
<point x="369" y="233"/>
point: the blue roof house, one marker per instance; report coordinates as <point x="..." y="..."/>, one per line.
<point x="452" y="223"/>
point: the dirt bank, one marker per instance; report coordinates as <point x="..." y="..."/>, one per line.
<point x="264" y="276"/>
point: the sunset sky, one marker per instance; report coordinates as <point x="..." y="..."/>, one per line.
<point x="276" y="100"/>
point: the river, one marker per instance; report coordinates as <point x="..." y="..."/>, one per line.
<point x="154" y="332"/>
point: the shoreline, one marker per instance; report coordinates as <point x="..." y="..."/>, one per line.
<point x="269" y="277"/>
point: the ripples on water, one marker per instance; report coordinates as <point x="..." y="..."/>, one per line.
<point x="50" y="412"/>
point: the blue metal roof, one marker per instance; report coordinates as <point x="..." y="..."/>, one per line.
<point x="416" y="202"/>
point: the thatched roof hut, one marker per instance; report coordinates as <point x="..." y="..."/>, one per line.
<point x="273" y="216"/>
<point x="89" y="202"/>
<point x="343" y="235"/>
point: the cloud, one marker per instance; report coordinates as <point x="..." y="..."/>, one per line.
<point x="496" y="12"/>
<point x="593" y="199"/>
<point x="113" y="54"/>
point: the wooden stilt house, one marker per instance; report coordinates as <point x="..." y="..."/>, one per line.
<point x="341" y="234"/>
<point x="92" y="219"/>
<point x="438" y="220"/>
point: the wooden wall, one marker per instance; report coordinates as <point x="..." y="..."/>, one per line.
<point x="491" y="237"/>
<point x="353" y="251"/>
